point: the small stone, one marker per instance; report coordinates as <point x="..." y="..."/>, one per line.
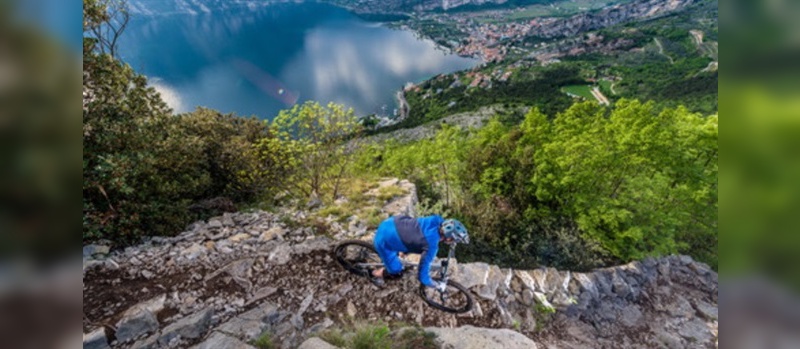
<point x="210" y="244"/>
<point x="147" y="274"/>
<point x="111" y="264"/>
<point x="95" y="339"/>
<point x="527" y="297"/>
<point x="320" y="326"/>
<point x="631" y="316"/>
<point x="669" y="340"/>
<point x="273" y="233"/>
<point x="147" y="343"/>
<point x="476" y="309"/>
<point x="696" y="331"/>
<point x="239" y="237"/>
<point x="314" y="202"/>
<point x="707" y="311"/>
<point x="91" y="250"/>
<point x="680" y="307"/>
<point x="351" y="310"/>
<point x="189" y="301"/>
<point x="214" y="223"/>
<point x="193" y="251"/>
<point x="619" y="286"/>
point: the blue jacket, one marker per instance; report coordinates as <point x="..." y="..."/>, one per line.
<point x="409" y="235"/>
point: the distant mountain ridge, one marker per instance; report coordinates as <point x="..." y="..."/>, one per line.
<point x="161" y="7"/>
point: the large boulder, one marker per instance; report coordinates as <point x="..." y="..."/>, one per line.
<point x="472" y="274"/>
<point x="469" y="337"/>
<point x="192" y="326"/>
<point x="140" y="319"/>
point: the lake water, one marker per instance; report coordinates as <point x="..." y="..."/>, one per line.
<point x="258" y="61"/>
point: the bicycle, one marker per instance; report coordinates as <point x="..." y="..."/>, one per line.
<point x="360" y="258"/>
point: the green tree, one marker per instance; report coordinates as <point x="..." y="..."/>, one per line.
<point x="638" y="181"/>
<point x="318" y="142"/>
<point x="592" y="186"/>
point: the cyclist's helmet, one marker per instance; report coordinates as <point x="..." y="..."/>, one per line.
<point x="452" y="228"/>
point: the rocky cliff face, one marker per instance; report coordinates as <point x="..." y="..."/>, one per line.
<point x="224" y="282"/>
<point x="606" y="17"/>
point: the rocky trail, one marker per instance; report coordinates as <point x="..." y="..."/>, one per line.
<point x="223" y="283"/>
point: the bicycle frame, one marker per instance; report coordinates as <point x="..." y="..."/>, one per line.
<point x="364" y="262"/>
<point x="442" y="266"/>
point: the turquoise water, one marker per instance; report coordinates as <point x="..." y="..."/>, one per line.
<point x="259" y="61"/>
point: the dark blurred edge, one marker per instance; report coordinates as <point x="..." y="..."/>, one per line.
<point x="40" y="142"/>
<point x="40" y="175"/>
<point x="760" y="190"/>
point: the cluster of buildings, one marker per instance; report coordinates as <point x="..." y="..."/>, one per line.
<point x="489" y="40"/>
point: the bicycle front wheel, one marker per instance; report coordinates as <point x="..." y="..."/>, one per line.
<point x="357" y="256"/>
<point x="455" y="299"/>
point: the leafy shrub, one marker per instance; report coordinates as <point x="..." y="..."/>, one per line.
<point x="264" y="341"/>
<point x="363" y="335"/>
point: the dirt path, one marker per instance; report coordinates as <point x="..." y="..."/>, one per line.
<point x="661" y="51"/>
<point x="599" y="96"/>
<point x="335" y="293"/>
<point x="697" y="36"/>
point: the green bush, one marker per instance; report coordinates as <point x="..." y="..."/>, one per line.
<point x="264" y="341"/>
<point x="592" y="186"/>
<point x="362" y="335"/>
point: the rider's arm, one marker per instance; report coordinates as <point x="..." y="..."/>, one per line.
<point x="425" y="263"/>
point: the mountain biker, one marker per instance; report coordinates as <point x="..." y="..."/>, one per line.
<point x="404" y="234"/>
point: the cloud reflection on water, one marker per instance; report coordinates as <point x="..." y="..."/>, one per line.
<point x="292" y="53"/>
<point x="361" y="65"/>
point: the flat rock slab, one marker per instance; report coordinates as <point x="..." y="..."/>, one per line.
<point x="221" y="341"/>
<point x="137" y="324"/>
<point x="316" y="343"/>
<point x="192" y="326"/>
<point x="473" y="274"/>
<point x="469" y="337"/>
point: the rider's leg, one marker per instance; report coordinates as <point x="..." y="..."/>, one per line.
<point x="393" y="265"/>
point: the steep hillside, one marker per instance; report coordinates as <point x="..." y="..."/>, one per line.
<point x="224" y="282"/>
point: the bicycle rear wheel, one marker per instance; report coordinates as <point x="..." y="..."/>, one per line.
<point x="455" y="299"/>
<point x="357" y="256"/>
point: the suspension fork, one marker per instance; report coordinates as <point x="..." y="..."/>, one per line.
<point x="446" y="263"/>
